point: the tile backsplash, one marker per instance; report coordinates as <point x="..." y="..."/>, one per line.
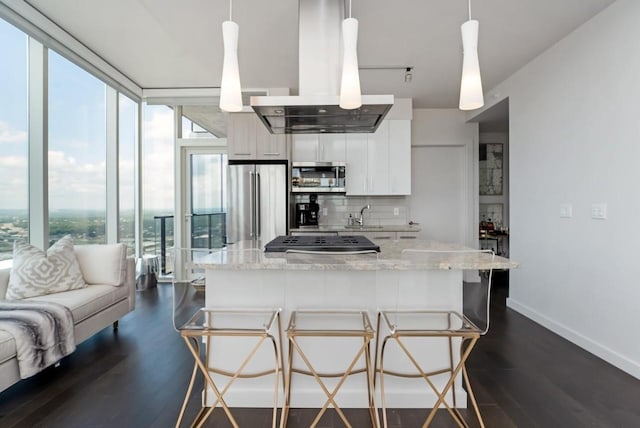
<point x="339" y="207"/>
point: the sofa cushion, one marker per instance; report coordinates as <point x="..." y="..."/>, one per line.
<point x="4" y="281"/>
<point x="103" y="264"/>
<point x="88" y="301"/>
<point x="7" y="346"/>
<point x="36" y="273"/>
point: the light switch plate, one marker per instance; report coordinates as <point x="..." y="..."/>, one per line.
<point x="396" y="211"/>
<point x="324" y="211"/>
<point x="566" y="210"/>
<point x="599" y="211"/>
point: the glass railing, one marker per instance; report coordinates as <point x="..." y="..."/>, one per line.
<point x="207" y="231"/>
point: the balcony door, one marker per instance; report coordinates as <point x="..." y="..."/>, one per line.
<point x="204" y="197"/>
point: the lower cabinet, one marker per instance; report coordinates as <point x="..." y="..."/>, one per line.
<point x="314" y="233"/>
<point x="380" y="236"/>
<point x="372" y="236"/>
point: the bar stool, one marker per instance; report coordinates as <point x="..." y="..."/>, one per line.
<point x="208" y="324"/>
<point x="404" y="325"/>
<point x="307" y="327"/>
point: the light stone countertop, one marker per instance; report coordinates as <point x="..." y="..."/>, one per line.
<point x="249" y="255"/>
<point x="357" y="229"/>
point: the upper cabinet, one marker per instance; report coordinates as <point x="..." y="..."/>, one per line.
<point x="248" y="138"/>
<point x="318" y="148"/>
<point x="380" y="163"/>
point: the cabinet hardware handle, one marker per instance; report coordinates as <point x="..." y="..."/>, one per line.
<point x="242" y="154"/>
<point x="271" y="154"/>
<point x="408" y="237"/>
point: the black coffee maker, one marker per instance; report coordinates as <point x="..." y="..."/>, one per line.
<point x="307" y="212"/>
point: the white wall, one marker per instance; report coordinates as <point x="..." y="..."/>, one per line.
<point x="575" y="138"/>
<point x="444" y="173"/>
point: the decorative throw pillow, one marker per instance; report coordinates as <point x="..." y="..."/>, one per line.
<point x="35" y="273"/>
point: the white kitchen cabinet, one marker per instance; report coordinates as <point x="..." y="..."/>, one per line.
<point x="268" y="145"/>
<point x="332" y="147"/>
<point x="241" y="138"/>
<point x="357" y="179"/>
<point x="319" y="148"/>
<point x="380" y="163"/>
<point x="248" y="138"/>
<point x="400" y="157"/>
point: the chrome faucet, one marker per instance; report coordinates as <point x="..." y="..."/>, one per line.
<point x="360" y="221"/>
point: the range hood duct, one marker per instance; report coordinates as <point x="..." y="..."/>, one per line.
<point x="316" y="110"/>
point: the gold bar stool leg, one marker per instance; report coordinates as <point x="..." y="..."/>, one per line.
<point x="364" y="332"/>
<point x="465" y="331"/>
<point x="287" y="390"/>
<point x="202" y="325"/>
<point x="189" y="389"/>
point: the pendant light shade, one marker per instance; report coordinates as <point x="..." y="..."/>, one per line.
<point x="471" y="96"/>
<point x="230" y="90"/>
<point x="350" y="95"/>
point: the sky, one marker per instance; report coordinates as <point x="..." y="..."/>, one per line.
<point x="77" y="136"/>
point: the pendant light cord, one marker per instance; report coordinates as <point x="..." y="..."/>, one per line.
<point x="349" y="8"/>
<point x="231" y="10"/>
<point x="469" y="10"/>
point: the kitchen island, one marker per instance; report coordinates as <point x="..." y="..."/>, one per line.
<point x="242" y="275"/>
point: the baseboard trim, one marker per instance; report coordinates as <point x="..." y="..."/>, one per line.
<point x="609" y="355"/>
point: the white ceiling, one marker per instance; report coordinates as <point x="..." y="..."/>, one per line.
<point x="172" y="43"/>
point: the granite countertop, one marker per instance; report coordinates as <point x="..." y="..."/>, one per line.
<point x="249" y="255"/>
<point x="356" y="229"/>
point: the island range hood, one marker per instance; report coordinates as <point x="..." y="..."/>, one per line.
<point x="316" y="110"/>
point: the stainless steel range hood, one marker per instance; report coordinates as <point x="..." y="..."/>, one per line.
<point x="316" y="109"/>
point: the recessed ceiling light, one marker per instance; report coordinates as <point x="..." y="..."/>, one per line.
<point x="322" y="110"/>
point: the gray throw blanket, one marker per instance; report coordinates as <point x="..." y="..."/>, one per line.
<point x="43" y="332"/>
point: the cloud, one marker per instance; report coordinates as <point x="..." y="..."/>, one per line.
<point x="158" y="159"/>
<point x="74" y="185"/>
<point x="13" y="182"/>
<point x="158" y="124"/>
<point x="10" y="135"/>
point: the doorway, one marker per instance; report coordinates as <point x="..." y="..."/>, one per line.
<point x="493" y="185"/>
<point x="204" y="197"/>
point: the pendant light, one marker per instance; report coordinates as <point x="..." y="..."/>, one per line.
<point x="230" y="89"/>
<point x="350" y="95"/>
<point x="471" y="97"/>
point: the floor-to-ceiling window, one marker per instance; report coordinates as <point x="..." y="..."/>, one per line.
<point x="77" y="153"/>
<point x="70" y="120"/>
<point x="127" y="138"/>
<point x="158" y="178"/>
<point x="14" y="193"/>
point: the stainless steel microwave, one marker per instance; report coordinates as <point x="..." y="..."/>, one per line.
<point x="318" y="177"/>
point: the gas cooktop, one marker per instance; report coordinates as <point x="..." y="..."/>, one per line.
<point x="320" y="243"/>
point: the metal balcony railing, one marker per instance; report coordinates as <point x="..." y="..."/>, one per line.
<point x="207" y="231"/>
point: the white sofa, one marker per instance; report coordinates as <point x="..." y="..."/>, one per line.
<point x="109" y="295"/>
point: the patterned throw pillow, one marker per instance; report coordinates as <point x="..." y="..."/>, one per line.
<point x="35" y="273"/>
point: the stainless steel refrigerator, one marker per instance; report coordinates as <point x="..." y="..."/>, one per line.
<point x="256" y="201"/>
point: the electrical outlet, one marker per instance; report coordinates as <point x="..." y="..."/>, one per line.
<point x="396" y="211"/>
<point x="566" y="211"/>
<point x="599" y="211"/>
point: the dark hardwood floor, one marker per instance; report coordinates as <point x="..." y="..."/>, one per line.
<point x="523" y="375"/>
